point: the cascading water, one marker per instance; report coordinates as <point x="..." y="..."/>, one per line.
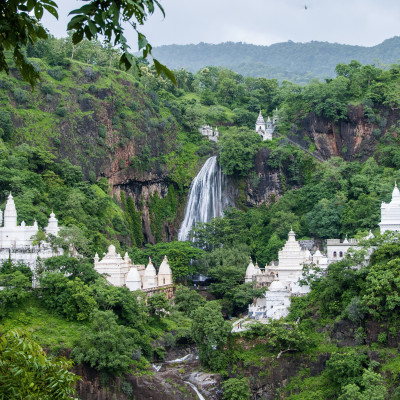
<point x="208" y="197"/>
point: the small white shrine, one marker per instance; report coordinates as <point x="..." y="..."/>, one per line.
<point x="16" y="241"/>
<point x="206" y="130"/>
<point x="390" y="213"/>
<point x="265" y="130"/>
<point x="336" y="249"/>
<point x="123" y="272"/>
<point x="275" y="303"/>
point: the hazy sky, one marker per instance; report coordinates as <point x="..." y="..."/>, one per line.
<point x="357" y="22"/>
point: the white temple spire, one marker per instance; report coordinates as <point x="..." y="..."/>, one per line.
<point x="10" y="213"/>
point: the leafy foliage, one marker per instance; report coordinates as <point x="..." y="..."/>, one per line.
<point x="15" y="287"/>
<point x="21" y="28"/>
<point x="236" y="389"/>
<point x="188" y="300"/>
<point x="237" y="149"/>
<point x="158" y="304"/>
<point x="210" y="333"/>
<point x="109" y="347"/>
<point x="27" y="372"/>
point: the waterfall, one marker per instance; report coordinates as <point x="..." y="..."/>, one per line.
<point x="207" y="197"/>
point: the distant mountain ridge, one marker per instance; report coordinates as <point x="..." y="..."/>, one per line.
<point x="297" y="62"/>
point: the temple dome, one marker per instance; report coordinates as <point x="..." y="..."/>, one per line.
<point x="133" y="275"/>
<point x="277" y="286"/>
<point x="317" y="254"/>
<point x="251" y="271"/>
<point x="165" y="269"/>
<point x="150" y="271"/>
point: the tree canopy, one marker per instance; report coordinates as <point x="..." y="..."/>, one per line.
<point x="20" y="26"/>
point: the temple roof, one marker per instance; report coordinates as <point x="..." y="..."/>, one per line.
<point x="150" y="270"/>
<point x="164" y="267"/>
<point x="260" y="119"/>
<point x="396" y="194"/>
<point x="133" y="275"/>
<point x="277" y="286"/>
<point x="251" y="269"/>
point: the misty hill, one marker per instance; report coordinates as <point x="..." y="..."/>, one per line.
<point x="296" y="62"/>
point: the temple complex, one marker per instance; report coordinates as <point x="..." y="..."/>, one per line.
<point x="123" y="272"/>
<point x="282" y="278"/>
<point x="265" y="129"/>
<point x="16" y="241"/>
<point x="206" y="130"/>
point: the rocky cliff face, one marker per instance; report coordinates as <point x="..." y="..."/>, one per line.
<point x="176" y="378"/>
<point x="266" y="186"/>
<point x="354" y="139"/>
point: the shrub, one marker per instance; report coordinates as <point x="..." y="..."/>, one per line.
<point x="109" y="347"/>
<point x="20" y="96"/>
<point x="90" y="74"/>
<point x="236" y="389"/>
<point x="6" y="124"/>
<point x="102" y="131"/>
<point x="61" y="111"/>
<point x="57" y="73"/>
<point x="47" y="89"/>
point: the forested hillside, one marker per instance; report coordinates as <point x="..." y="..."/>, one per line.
<point x="295" y="62"/>
<point x="113" y="154"/>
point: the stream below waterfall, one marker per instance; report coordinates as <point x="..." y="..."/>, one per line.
<point x="194" y="373"/>
<point x="199" y="395"/>
<point x="208" y="197"/>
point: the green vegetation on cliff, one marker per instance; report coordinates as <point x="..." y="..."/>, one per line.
<point x="113" y="154"/>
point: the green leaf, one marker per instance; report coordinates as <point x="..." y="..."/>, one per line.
<point x="38" y="11"/>
<point x="50" y="3"/>
<point x="51" y="10"/>
<point x="161" y="68"/>
<point x="98" y="18"/>
<point x="30" y="4"/>
<point x="160" y="7"/>
<point x="76" y="22"/>
<point x="77" y="37"/>
<point x="86" y="9"/>
<point x="93" y="28"/>
<point x="142" y="41"/>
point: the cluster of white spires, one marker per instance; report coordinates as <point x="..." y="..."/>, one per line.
<point x="122" y="272"/>
<point x="282" y="278"/>
<point x="14" y="236"/>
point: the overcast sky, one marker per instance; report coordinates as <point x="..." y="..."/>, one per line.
<point x="264" y="22"/>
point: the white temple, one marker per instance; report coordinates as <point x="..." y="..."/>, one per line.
<point x="275" y="303"/>
<point x="390" y="213"/>
<point x="122" y="272"/>
<point x="16" y="241"/>
<point x="265" y="130"/>
<point x="282" y="279"/>
<point x="206" y="130"/>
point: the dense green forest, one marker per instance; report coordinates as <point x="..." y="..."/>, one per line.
<point x="295" y="62"/>
<point x="88" y="126"/>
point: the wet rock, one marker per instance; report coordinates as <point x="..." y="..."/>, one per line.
<point x="208" y="384"/>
